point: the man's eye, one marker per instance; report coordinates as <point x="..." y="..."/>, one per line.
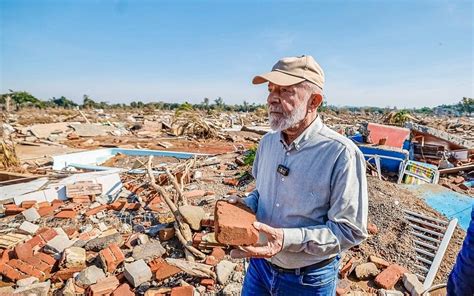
<point x="284" y="89"/>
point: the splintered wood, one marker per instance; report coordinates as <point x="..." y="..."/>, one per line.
<point x="83" y="188"/>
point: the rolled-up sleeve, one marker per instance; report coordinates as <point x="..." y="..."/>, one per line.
<point x="347" y="216"/>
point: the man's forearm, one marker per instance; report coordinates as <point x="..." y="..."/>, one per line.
<point x="322" y="240"/>
<point x="252" y="200"/>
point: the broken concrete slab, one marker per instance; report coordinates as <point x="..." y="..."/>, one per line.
<point x="31" y="215"/>
<point x="29" y="227"/>
<point x="224" y="270"/>
<point x="39" y="289"/>
<point x="432" y="135"/>
<point x="58" y="244"/>
<point x="27" y="281"/>
<point x="44" y="130"/>
<point x="74" y="257"/>
<point x="148" y="251"/>
<point x="137" y="273"/>
<point x="412" y="284"/>
<point x="100" y="243"/>
<point x="192" y="215"/>
<point x="90" y="276"/>
<point x="92" y="130"/>
<point x="366" y="271"/>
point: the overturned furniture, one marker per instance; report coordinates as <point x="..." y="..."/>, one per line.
<point x="431" y="239"/>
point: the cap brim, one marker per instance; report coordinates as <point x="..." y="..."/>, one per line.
<point x="278" y="78"/>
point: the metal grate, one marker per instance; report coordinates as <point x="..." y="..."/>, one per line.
<point x="431" y="237"/>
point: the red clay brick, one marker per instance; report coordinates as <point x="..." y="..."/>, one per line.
<point x="26" y="268"/>
<point x="182" y="291"/>
<point x="231" y="181"/>
<point x="82" y="199"/>
<point x="46" y="258"/>
<point x="390" y="276"/>
<point x="38" y="264"/>
<point x="45" y="211"/>
<point x="132" y="206"/>
<point x="65" y="274"/>
<point x="123" y="290"/>
<point x="111" y="257"/>
<point x="66" y="214"/>
<point x="28" y="204"/>
<point x="71" y="232"/>
<point x="48" y="234"/>
<point x="23" y="251"/>
<point x="43" y="204"/>
<point x="208" y="282"/>
<point x="11" y="273"/>
<point x="11" y="210"/>
<point x="163" y="270"/>
<point x="344" y="271"/>
<point x="96" y="210"/>
<point x="117" y="206"/>
<point x="234" y="224"/>
<point x="37" y="240"/>
<point x="215" y="257"/>
<point x="207" y="222"/>
<point x="194" y="193"/>
<point x="104" y="286"/>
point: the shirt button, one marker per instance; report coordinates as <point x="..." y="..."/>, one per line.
<point x="287" y="153"/>
<point x="282" y="179"/>
<point x="277" y="204"/>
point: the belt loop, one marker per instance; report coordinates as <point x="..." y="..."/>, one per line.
<point x="298" y="271"/>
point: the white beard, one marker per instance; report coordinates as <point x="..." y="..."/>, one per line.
<point x="285" y="121"/>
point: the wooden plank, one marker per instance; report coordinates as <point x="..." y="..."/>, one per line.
<point x="457" y="169"/>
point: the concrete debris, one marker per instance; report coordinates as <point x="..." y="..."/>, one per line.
<point x="148" y="251"/>
<point x="89" y="276"/>
<point x="137" y="273"/>
<point x="224" y="270"/>
<point x="31" y="215"/>
<point x="29" y="227"/>
<point x="38" y="289"/>
<point x="90" y="221"/>
<point x="192" y="215"/>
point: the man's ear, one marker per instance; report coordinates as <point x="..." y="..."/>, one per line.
<point x="315" y="101"/>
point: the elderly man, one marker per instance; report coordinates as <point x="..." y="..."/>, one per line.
<point x="311" y="193"/>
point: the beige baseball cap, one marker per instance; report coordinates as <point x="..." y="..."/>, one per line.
<point x="293" y="70"/>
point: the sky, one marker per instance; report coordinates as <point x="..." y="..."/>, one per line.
<point x="374" y="53"/>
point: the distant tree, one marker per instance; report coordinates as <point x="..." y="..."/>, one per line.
<point x="88" y="103"/>
<point x="63" y="102"/>
<point x="205" y="102"/>
<point x="219" y="103"/>
<point x="24" y="99"/>
<point x="467" y="105"/>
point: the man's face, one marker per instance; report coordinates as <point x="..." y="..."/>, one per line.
<point x="287" y="105"/>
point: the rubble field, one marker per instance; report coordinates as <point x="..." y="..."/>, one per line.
<point x="135" y="224"/>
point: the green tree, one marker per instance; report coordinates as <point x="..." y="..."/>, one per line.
<point x="63" y="102"/>
<point x="88" y="103"/>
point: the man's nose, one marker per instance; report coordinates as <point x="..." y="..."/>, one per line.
<point x="273" y="98"/>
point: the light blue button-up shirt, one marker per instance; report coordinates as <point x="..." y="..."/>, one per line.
<point x="322" y="204"/>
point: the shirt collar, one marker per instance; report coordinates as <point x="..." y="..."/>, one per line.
<point x="308" y="134"/>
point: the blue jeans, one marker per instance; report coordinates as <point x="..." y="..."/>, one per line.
<point x="461" y="279"/>
<point x="263" y="279"/>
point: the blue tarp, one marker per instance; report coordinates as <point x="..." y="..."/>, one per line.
<point x="449" y="203"/>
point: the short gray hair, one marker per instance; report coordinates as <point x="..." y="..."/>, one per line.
<point x="313" y="88"/>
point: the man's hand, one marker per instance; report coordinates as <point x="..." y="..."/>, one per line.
<point x="272" y="247"/>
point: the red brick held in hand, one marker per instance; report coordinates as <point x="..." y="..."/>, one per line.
<point x="234" y="224"/>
